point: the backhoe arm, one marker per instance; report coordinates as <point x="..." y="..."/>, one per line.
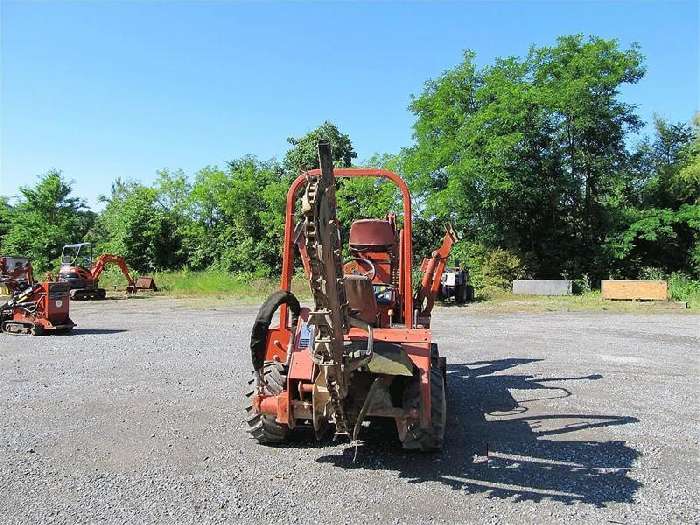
<point x="432" y="274"/>
<point x="108" y="258"/>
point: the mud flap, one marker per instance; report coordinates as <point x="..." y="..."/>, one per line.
<point x="258" y="338"/>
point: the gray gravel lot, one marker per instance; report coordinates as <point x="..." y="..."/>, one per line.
<point x="559" y="417"/>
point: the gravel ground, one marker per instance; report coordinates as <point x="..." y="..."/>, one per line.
<point x="559" y="417"/>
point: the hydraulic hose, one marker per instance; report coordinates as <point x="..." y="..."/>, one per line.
<point x="258" y="338"/>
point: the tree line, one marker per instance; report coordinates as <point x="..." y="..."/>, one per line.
<point x="537" y="162"/>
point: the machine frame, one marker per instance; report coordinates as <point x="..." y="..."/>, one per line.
<point x="296" y="403"/>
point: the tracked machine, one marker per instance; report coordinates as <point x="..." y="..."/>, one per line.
<point x="83" y="276"/>
<point x="33" y="308"/>
<point x="16" y="273"/>
<point x="364" y="350"/>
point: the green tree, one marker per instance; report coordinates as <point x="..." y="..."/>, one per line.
<point x="135" y="225"/>
<point x="45" y="218"/>
<point x="173" y="191"/>
<point x="5" y="210"/>
<point x="686" y="183"/>
<point x="658" y="215"/>
<point x="367" y="197"/>
<point x="303" y="154"/>
<point x="238" y="216"/>
<point x="522" y="154"/>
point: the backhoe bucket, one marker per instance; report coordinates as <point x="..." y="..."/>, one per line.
<point x="145" y="283"/>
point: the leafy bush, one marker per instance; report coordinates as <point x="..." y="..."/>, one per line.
<point x="582" y="285"/>
<point x="495" y="268"/>
<point x="682" y="287"/>
<point x="501" y="267"/>
<point x="652" y="273"/>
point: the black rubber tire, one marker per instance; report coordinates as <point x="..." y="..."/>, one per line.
<point x="429" y="439"/>
<point x="37" y="330"/>
<point x="264" y="428"/>
<point x="437" y="361"/>
<point x="461" y="294"/>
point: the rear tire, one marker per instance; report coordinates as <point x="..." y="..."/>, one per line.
<point x="264" y="428"/>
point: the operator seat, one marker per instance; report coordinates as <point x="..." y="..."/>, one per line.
<point x="373" y="240"/>
<point x="361" y="299"/>
<point x="372" y="235"/>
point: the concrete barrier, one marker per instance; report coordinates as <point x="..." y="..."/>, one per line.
<point x="628" y="290"/>
<point x="542" y="287"/>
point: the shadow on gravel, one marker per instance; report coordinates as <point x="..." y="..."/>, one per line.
<point x="514" y="456"/>
<point x="97" y="331"/>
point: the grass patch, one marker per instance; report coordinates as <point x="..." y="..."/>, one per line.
<point x="502" y="300"/>
<point x="212" y="284"/>
<point x="248" y="288"/>
<point x="499" y="300"/>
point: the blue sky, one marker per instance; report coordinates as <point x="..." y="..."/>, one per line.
<point x="120" y="89"/>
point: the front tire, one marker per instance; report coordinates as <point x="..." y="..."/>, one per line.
<point x="264" y="428"/>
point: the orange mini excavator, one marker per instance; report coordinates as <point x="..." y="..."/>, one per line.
<point x="82" y="275"/>
<point x="33" y="308"/>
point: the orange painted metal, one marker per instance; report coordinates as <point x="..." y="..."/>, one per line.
<point x="300" y="363"/>
<point x="93" y="274"/>
<point x="283" y="408"/>
<point x="52" y="306"/>
<point x="415" y="341"/>
<point x="268" y="405"/>
<point x="395" y="335"/>
<point x="146" y="283"/>
<point x="432" y="273"/>
<point x="15" y="270"/>
<point x="277" y="406"/>
<point x="406" y="247"/>
<point x="108" y="258"/>
<point x="90" y="276"/>
<point x="277" y="343"/>
<point x="301" y="366"/>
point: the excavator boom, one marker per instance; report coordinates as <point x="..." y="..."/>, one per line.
<point x="107" y="258"/>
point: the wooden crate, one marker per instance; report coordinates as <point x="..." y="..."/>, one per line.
<point x="635" y="290"/>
